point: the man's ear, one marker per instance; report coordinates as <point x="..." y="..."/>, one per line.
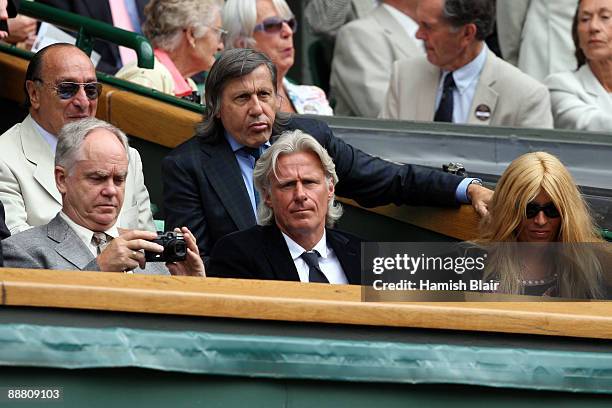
<point x="330" y="188"/>
<point x="60" y="179"/>
<point x="33" y="94"/>
<point x="469" y="32"/>
<point x="267" y="199"/>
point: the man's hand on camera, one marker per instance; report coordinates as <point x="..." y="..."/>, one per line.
<point x="124" y="253"/>
<point x="192" y="265"/>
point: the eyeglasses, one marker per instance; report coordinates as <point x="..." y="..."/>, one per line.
<point x="67" y="90"/>
<point x="221" y="33"/>
<point x="272" y="25"/>
<point x="549" y="209"/>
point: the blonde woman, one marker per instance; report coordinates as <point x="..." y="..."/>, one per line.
<point x="186" y="35"/>
<point x="537" y="202"/>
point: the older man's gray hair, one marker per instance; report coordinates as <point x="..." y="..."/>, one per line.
<point x="72" y="136"/>
<point x="481" y="13"/>
<point x="293" y="141"/>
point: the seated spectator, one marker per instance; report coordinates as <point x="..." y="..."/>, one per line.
<point x="461" y="80"/>
<point x="581" y="99"/>
<point x="537" y="201"/>
<point x="295" y="179"/>
<point x="208" y="179"/>
<point x="186" y="35"/>
<point x="534" y="35"/>
<point x="268" y="26"/>
<point x="91" y="166"/>
<point x="60" y="87"/>
<point x="364" y="54"/>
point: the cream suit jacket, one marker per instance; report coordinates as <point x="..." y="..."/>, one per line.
<point x="512" y="97"/>
<point x="27" y="183"/>
<point x="536" y="35"/>
<point x="579" y="101"/>
<point x="364" y="52"/>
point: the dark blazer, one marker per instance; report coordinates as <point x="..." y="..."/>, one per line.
<point x="204" y="189"/>
<point x="99" y="10"/>
<point x="261" y="252"/>
<point x="4" y="232"/>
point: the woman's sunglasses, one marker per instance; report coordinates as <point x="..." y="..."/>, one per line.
<point x="549" y="209"/>
<point x="67" y="90"/>
<point x="272" y="25"/>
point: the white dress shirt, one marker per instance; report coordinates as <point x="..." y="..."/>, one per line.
<point x="49" y="138"/>
<point x="328" y="261"/>
<point x="466" y="79"/>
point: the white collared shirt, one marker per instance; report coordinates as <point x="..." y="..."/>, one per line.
<point x="410" y="26"/>
<point x="328" y="261"/>
<point x="466" y="79"/>
<point x="49" y="138"/>
<point x="86" y="235"/>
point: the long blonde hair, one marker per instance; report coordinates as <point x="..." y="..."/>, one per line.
<point x="522" y="181"/>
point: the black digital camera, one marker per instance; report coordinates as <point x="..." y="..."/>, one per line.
<point x="175" y="248"/>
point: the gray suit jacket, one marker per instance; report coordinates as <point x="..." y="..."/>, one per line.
<point x="514" y="98"/>
<point x="27" y="183"/>
<point x="56" y="246"/>
<point x="364" y="53"/>
<point x="579" y="101"/>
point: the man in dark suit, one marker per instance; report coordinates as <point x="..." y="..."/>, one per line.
<point x="110" y="60"/>
<point x="208" y="179"/>
<point x="295" y="179"/>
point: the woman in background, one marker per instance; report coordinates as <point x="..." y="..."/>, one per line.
<point x="268" y="26"/>
<point x="186" y="35"/>
<point x="536" y="202"/>
<point x="581" y="99"/>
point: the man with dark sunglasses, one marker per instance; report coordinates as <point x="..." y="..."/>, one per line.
<point x="60" y="87"/>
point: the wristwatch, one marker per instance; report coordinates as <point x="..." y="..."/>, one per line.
<point x="476" y="181"/>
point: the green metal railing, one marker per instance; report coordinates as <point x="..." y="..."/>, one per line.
<point x="89" y="29"/>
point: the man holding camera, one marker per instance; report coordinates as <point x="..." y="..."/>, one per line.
<point x="91" y="168"/>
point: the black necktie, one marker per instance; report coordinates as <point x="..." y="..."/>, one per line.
<point x="445" y="110"/>
<point x="255" y="153"/>
<point x="314" y="271"/>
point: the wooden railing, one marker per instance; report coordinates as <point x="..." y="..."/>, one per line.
<point x="290" y="301"/>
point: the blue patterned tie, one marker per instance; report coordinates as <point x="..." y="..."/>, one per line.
<point x="254" y="152"/>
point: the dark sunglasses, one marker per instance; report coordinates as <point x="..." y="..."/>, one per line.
<point x="549" y="209"/>
<point x="67" y="90"/>
<point x="274" y="24"/>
